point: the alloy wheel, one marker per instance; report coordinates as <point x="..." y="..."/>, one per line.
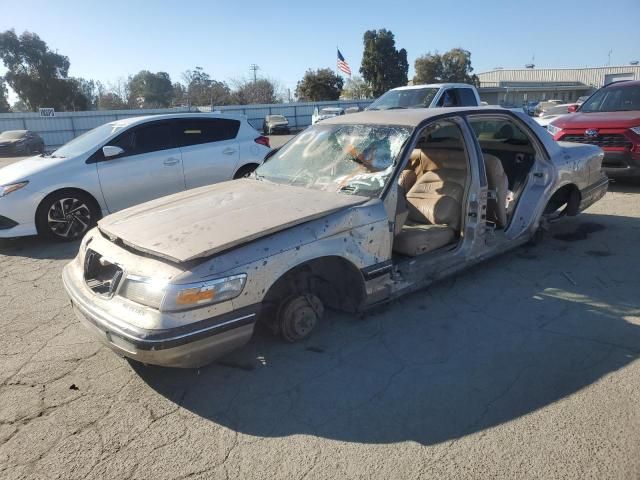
<point x="69" y="218"/>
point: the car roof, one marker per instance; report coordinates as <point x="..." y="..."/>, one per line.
<point x="411" y="117"/>
<point x="126" y="122"/>
<point x="623" y="83"/>
<point x="434" y="85"/>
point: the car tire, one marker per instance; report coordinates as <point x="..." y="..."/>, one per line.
<point x="298" y="316"/>
<point x="66" y="215"/>
<point x="245" y="171"/>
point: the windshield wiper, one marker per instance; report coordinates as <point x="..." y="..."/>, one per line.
<point x="397" y="107"/>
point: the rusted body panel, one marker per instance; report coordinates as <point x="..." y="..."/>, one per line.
<point x="261" y="232"/>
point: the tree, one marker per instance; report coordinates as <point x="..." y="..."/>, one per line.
<point x="318" y="85"/>
<point x="115" y="96"/>
<point x="201" y="89"/>
<point x="150" y="90"/>
<point x="37" y="75"/>
<point x="356" y="89"/>
<point x="4" y="102"/>
<point x="19" y="106"/>
<point x="383" y="66"/>
<point x="258" y="91"/>
<point x="452" y="66"/>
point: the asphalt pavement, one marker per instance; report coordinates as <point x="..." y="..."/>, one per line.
<point x="523" y="367"/>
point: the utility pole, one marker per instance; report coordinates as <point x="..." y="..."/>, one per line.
<point x="255" y="69"/>
<point x="609" y="55"/>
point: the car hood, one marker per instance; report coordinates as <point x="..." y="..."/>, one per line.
<point x="25" y="169"/>
<point x="208" y="220"/>
<point x="599" y="120"/>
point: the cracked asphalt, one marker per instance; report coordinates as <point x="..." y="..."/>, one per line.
<point x="523" y="367"/>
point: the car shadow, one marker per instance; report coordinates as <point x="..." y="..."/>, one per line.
<point x="497" y="342"/>
<point x="38" y="248"/>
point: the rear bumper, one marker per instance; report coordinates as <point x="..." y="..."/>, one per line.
<point x="188" y="346"/>
<point x="593" y="193"/>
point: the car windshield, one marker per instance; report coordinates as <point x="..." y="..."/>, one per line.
<point x="277" y="118"/>
<point x="351" y="159"/>
<point x="329" y="111"/>
<point x="613" y="99"/>
<point x="411" y="98"/>
<point x="88" y="140"/>
<point x="12" y="134"/>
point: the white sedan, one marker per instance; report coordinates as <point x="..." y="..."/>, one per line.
<point x="120" y="164"/>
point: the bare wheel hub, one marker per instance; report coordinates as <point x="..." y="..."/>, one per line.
<point x="299" y="316"/>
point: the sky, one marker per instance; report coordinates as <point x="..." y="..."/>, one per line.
<point x="109" y="40"/>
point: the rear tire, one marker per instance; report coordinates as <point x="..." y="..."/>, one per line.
<point x="245" y="171"/>
<point x="66" y="215"/>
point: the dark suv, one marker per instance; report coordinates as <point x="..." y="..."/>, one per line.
<point x="610" y="119"/>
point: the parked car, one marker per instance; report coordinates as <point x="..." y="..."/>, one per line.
<point x="552" y="113"/>
<point x="428" y="96"/>
<point x="120" y="164"/>
<point x="545" y="105"/>
<point x="610" y="119"/>
<point x="323" y="114"/>
<point x="353" y="212"/>
<point x="275" y="124"/>
<point x="20" y="142"/>
<point x="530" y="107"/>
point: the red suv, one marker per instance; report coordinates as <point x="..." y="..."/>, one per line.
<point x="610" y="119"/>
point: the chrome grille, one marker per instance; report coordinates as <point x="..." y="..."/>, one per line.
<point x="100" y="275"/>
<point x="606" y="140"/>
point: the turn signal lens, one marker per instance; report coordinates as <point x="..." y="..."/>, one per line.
<point x="193" y="296"/>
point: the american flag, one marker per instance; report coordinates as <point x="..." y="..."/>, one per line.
<point x="343" y="66"/>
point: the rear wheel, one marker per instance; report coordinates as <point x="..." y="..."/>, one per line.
<point x="245" y="171"/>
<point x="66" y="215"/>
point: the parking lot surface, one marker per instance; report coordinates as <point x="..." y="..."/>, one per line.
<point x="523" y="367"/>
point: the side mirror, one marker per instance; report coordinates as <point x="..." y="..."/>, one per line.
<point x="572" y="108"/>
<point x="111" y="151"/>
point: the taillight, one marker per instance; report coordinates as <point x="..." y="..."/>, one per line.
<point x="262" y="140"/>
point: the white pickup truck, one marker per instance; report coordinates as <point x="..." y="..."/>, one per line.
<point x="428" y="96"/>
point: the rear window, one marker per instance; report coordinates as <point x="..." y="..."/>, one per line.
<point x="466" y="97"/>
<point x="198" y="131"/>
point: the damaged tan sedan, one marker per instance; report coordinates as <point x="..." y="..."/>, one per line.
<point x="354" y="211"/>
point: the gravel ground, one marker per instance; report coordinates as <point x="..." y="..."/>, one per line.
<point x="524" y="367"/>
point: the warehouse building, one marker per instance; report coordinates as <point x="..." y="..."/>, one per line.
<point x="516" y="87"/>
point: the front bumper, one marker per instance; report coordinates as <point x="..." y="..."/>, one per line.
<point x="621" y="164"/>
<point x="187" y="346"/>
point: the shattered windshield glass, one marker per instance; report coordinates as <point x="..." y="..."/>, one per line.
<point x="351" y="159"/>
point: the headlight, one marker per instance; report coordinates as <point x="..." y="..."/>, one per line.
<point x="635" y="130"/>
<point x="12" y="187"/>
<point x="166" y="297"/>
<point x="144" y="290"/>
<point x="553" y="129"/>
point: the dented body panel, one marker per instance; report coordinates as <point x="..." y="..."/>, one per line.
<point x="261" y="233"/>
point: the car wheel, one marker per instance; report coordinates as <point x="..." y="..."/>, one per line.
<point x="298" y="316"/>
<point x="245" y="171"/>
<point x="27" y="150"/>
<point x="66" y="216"/>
